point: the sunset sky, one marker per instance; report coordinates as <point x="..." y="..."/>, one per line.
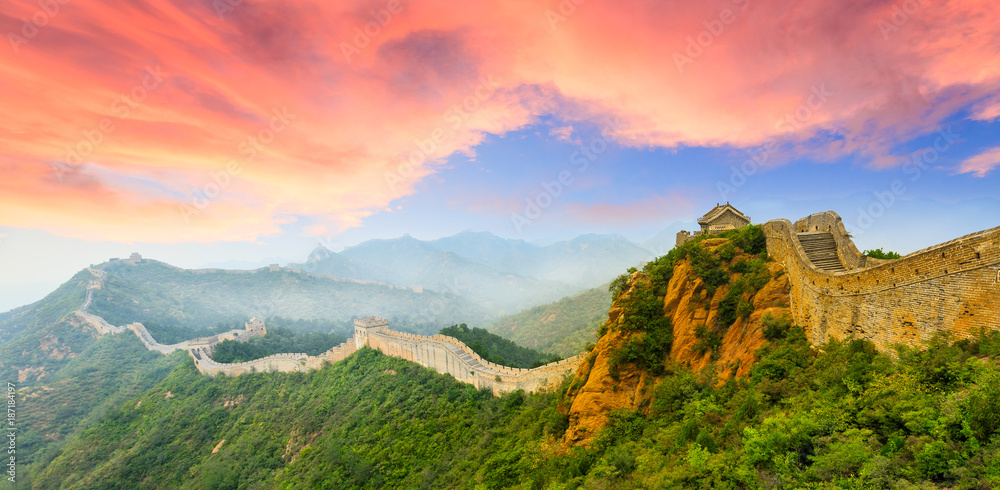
<point x="205" y="131"/>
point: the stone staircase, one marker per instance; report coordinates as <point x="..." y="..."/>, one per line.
<point x="821" y="249"/>
<point x="464" y="356"/>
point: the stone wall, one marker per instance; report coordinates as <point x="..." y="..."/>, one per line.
<point x="277" y="362"/>
<point x="99" y="324"/>
<point x="952" y="287"/>
<point x="449" y="355"/>
<point x="205" y="344"/>
<point x="685" y="236"/>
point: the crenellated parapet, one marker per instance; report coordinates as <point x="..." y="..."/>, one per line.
<point x="439" y="352"/>
<point x="205" y="344"/>
<point x="449" y="355"/>
<point x="274" y="363"/>
<point x="951" y="287"/>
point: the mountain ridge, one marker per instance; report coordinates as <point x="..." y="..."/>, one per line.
<point x="505" y="275"/>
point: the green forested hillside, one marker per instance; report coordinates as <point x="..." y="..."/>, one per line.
<point x="38" y="339"/>
<point x="843" y="416"/>
<point x="564" y="327"/>
<point x="65" y="299"/>
<point x="106" y="373"/>
<point x="154" y="292"/>
<point x="497" y="349"/>
<point x="370" y="421"/>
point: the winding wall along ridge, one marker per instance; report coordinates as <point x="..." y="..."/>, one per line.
<point x="440" y="352"/>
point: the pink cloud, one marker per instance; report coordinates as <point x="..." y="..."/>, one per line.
<point x="564" y="133"/>
<point x="987" y="110"/>
<point x="372" y="120"/>
<point x="982" y="163"/>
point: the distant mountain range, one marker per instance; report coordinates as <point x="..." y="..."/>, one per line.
<point x="502" y="275"/>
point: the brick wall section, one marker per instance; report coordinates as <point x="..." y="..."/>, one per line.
<point x="277" y="362"/>
<point x="206" y="344"/>
<point x="850" y="256"/>
<point x="439" y="352"/>
<point x="449" y="355"/>
<point x="952" y="287"/>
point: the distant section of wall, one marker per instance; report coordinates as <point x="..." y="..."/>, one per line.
<point x="277" y="362"/>
<point x="442" y="353"/>
<point x="952" y="287"/>
<point x="205" y="344"/>
<point x="449" y="355"/>
<point x="99" y="324"/>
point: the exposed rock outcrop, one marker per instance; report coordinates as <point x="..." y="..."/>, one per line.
<point x="597" y="392"/>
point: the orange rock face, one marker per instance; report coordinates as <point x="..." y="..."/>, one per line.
<point x="596" y="392"/>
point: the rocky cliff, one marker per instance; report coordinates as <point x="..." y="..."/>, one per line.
<point x="699" y="288"/>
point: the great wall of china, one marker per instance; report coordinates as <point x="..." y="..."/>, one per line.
<point x="838" y="292"/>
<point x="439" y="352"/>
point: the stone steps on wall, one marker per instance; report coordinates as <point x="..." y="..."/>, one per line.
<point x="464" y="356"/>
<point x="821" y="249"/>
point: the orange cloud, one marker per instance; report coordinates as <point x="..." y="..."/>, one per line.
<point x="177" y="121"/>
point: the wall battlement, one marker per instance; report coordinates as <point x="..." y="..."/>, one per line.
<point x="449" y="355"/>
<point x="206" y="344"/>
<point x="951" y="287"/>
<point x="439" y="352"/>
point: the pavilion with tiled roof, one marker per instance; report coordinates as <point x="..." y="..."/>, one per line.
<point x="721" y="218"/>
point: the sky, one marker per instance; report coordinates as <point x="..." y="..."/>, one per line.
<point x="229" y="132"/>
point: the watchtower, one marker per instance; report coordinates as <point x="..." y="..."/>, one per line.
<point x="364" y="327"/>
<point x="255" y="327"/>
